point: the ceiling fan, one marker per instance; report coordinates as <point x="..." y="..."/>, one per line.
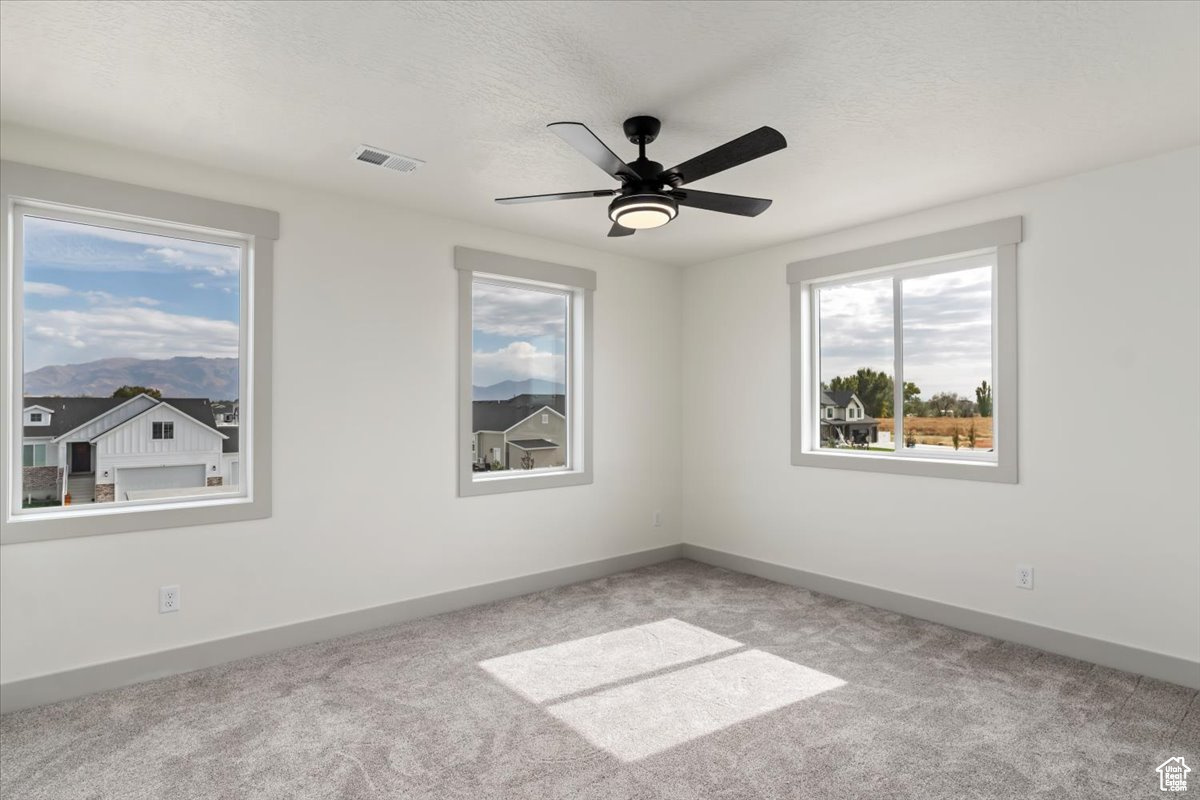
<point x="650" y="196"/>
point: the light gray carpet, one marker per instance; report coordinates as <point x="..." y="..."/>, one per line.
<point x="676" y="681"/>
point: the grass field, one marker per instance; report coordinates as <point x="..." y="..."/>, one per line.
<point x="940" y="430"/>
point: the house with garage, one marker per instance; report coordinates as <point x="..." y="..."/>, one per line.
<point x="104" y="449"/>
<point x="844" y="420"/>
<point x="524" y="432"/>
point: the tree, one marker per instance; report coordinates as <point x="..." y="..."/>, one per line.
<point x="944" y="402"/>
<point x="983" y="398"/>
<point x="964" y="407"/>
<point x="913" y="405"/>
<point x="972" y="435"/>
<point x="134" y="391"/>
<point x="873" y="388"/>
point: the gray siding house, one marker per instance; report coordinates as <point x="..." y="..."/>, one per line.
<point x="524" y="432"/>
<point x="844" y="420"/>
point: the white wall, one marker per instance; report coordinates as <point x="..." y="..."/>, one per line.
<point x="365" y="312"/>
<point x="1106" y="509"/>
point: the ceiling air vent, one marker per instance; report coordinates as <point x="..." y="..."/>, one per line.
<point x="382" y="158"/>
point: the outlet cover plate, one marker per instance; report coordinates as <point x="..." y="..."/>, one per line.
<point x="1024" y="576"/>
<point x="169" y="599"/>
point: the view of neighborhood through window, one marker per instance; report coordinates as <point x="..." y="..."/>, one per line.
<point x="520" y="347"/>
<point x="131" y="359"/>
<point x="948" y="362"/>
<point x="857" y="353"/>
<point x="945" y="362"/>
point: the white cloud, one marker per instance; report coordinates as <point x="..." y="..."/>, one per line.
<point x="517" y="361"/>
<point x="525" y="313"/>
<point x="98" y="297"/>
<point x="64" y="337"/>
<point x="168" y="254"/>
<point x="93" y="296"/>
<point x="197" y="285"/>
<point x="947" y="330"/>
<point x="46" y="289"/>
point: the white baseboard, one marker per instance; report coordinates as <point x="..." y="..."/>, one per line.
<point x="43" y="689"/>
<point x="1097" y="651"/>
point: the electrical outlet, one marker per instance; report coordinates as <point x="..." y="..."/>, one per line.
<point x="168" y="599"/>
<point x="1024" y="577"/>
<point x="658" y="519"/>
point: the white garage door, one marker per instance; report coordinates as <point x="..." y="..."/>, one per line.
<point x="132" y="479"/>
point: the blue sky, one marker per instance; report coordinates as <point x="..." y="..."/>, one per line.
<point x="94" y="292"/>
<point x="947" y="330"/>
<point x="517" y="334"/>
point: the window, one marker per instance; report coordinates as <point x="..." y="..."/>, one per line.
<point x="524" y="361"/>
<point x="926" y="326"/>
<point x="152" y="283"/>
<point x="33" y="455"/>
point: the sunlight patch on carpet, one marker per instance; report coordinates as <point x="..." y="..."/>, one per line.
<point x="546" y="673"/>
<point x="646" y="717"/>
<point x="641" y="690"/>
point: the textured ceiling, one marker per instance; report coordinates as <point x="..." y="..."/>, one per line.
<point x="887" y="107"/>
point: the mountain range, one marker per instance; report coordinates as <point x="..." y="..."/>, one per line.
<point x="507" y="389"/>
<point x="194" y="376"/>
<point x="182" y="376"/>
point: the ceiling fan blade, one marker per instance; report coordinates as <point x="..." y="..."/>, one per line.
<point x="582" y="139"/>
<point x="539" y="198"/>
<point x="725" y="203"/>
<point x="753" y="145"/>
<point x="618" y="230"/>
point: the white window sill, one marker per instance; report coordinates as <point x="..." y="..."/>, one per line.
<point x="930" y="466"/>
<point x="523" y="480"/>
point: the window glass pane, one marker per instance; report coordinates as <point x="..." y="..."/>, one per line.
<point x="856" y="361"/>
<point x="519" y="377"/>
<point x="948" y="363"/>
<point x="115" y="323"/>
<point x="27" y="455"/>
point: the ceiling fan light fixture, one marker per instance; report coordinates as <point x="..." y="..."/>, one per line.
<point x="641" y="211"/>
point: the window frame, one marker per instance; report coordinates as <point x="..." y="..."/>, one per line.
<point x="160" y="429"/>
<point x="998" y="237"/>
<point x="25" y="188"/>
<point x="579" y="284"/>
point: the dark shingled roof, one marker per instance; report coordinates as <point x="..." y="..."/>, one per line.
<point x="839" y="399"/>
<point x="500" y="415"/>
<point x="71" y="412"/>
<point x="533" y="444"/>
